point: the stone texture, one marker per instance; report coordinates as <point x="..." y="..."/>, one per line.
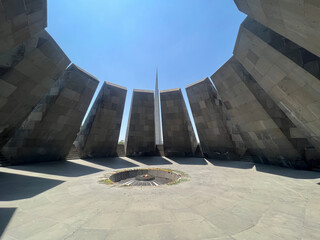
<point x="34" y="67"/>
<point x="140" y="137"/>
<point x="224" y="200"/>
<point x="99" y="134"/>
<point x="262" y="136"/>
<point x="288" y="128"/>
<point x="297" y="20"/>
<point x="210" y="121"/>
<point x="20" y="20"/>
<point x="178" y="135"/>
<point x="50" y="129"/>
<point x="291" y="87"/>
<point x="302" y="57"/>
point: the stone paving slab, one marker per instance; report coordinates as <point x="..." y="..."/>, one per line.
<point x="223" y="200"/>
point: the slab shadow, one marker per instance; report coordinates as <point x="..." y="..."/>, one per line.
<point x="231" y="164"/>
<point x="61" y="168"/>
<point x="5" y="217"/>
<point x="287" y="172"/>
<point x="151" y="160"/>
<point x="189" y="160"/>
<point x="16" y="186"/>
<point x="114" y="163"/>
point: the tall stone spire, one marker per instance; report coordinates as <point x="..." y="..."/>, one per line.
<point x="157" y="113"/>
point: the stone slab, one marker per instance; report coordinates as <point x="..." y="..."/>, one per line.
<point x="37" y="65"/>
<point x="51" y="128"/>
<point x="178" y="134"/>
<point x="99" y="134"/>
<point x="296" y="53"/>
<point x="20" y="20"/>
<point x="263" y="138"/>
<point x="210" y="120"/>
<point x="140" y="136"/>
<point x="298" y="21"/>
<point x="288" y="128"/>
<point x="291" y="87"/>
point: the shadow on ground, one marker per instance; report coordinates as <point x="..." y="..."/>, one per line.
<point x="16" y="186"/>
<point x="189" y="161"/>
<point x="151" y="160"/>
<point x="287" y="172"/>
<point x="271" y="169"/>
<point x="5" y="217"/>
<point x="231" y="164"/>
<point x="114" y="163"/>
<point x="61" y="168"/>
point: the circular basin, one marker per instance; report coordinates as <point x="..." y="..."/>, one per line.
<point x="145" y="177"/>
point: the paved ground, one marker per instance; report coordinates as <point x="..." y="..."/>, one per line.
<point x="223" y="200"/>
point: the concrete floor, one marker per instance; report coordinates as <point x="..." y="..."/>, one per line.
<point x="223" y="200"/>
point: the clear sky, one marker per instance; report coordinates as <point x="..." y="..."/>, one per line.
<point x="124" y="41"/>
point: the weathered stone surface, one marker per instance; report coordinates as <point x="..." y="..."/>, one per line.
<point x="302" y="57"/>
<point x="298" y="21"/>
<point x="291" y="87"/>
<point x="140" y="137"/>
<point x="99" y="134"/>
<point x="50" y="129"/>
<point x="36" y="66"/>
<point x="20" y="20"/>
<point x="178" y="135"/>
<point x="258" y="130"/>
<point x="233" y="129"/>
<point x="211" y="124"/>
<point x="288" y="128"/>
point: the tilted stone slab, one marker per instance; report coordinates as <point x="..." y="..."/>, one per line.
<point x="20" y="20"/>
<point x="291" y="87"/>
<point x="299" y="55"/>
<point x="287" y="127"/>
<point x="298" y="21"/>
<point x="51" y="128"/>
<point x="210" y="120"/>
<point x="30" y="77"/>
<point x="140" y="136"/>
<point x="99" y="134"/>
<point x="178" y="135"/>
<point x="258" y="130"/>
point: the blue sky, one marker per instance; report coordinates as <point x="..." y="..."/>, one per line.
<point x="124" y="41"/>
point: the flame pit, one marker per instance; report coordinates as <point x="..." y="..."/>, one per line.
<point x="145" y="177"/>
